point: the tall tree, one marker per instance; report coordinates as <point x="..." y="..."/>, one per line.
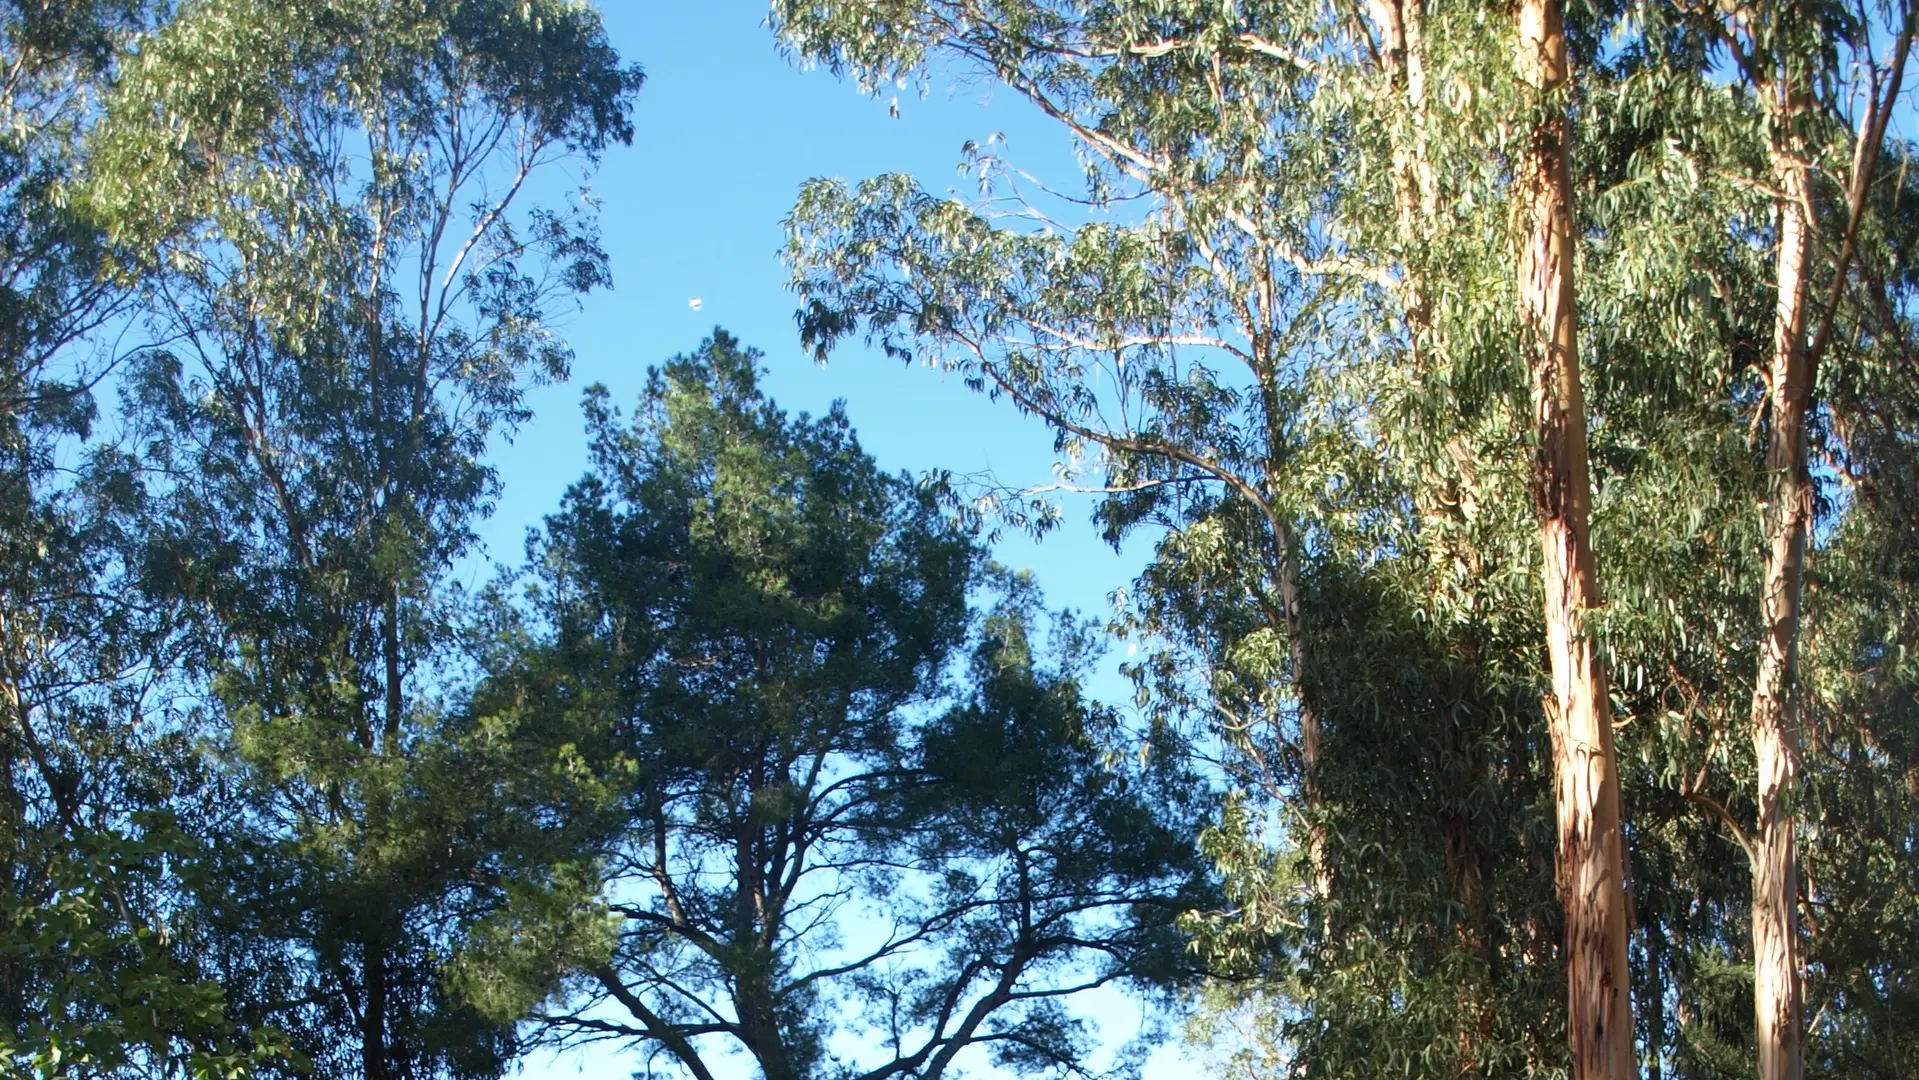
<point x="1289" y="307"/>
<point x="1819" y="98"/>
<point x="1579" y="712"/>
<point x="1782" y="52"/>
<point x="357" y="300"/>
<point x="817" y="837"/>
<point x="95" y="977"/>
<point x="1226" y="337"/>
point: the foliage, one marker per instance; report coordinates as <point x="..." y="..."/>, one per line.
<point x="822" y="855"/>
<point x="760" y="759"/>
<point x="353" y="301"/>
<point x="1277" y="333"/>
<point x="94" y="977"/>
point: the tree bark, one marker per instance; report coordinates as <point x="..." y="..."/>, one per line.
<point x="1578" y="712"/>
<point x="1778" y="1002"/>
<point x="391" y="659"/>
<point x="373" y="1057"/>
<point x="1402" y="56"/>
<point x="1286" y="553"/>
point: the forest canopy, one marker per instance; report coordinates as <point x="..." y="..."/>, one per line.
<point x="1517" y="405"/>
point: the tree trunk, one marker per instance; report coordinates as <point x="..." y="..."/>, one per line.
<point x="1402" y="56"/>
<point x="1283" y="576"/>
<point x="1578" y="712"/>
<point x="1310" y="735"/>
<point x="375" y="1058"/>
<point x="1653" y="1008"/>
<point x="373" y="1063"/>
<point x="1778" y="1006"/>
<point x="390" y="655"/>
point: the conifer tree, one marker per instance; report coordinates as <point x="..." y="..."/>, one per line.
<point x="852" y="827"/>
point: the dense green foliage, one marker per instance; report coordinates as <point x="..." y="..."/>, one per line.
<point x="1281" y="336"/>
<point x="760" y="761"/>
<point x="353" y="304"/>
<point x="819" y="828"/>
<point x="94" y="976"/>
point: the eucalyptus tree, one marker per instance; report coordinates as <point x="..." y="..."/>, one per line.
<point x="1288" y="328"/>
<point x="1853" y="695"/>
<point x="94" y="977"/>
<point x="854" y="828"/>
<point x="1773" y="63"/>
<point x="1807" y="66"/>
<point x="1579" y="712"/>
<point x="356" y="297"/>
<point x="1269" y="329"/>
<point x="1795" y="155"/>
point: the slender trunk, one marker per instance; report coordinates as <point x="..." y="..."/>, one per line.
<point x="1591" y="848"/>
<point x="1778" y="994"/>
<point x="16" y="971"/>
<point x="1401" y="26"/>
<point x="1401" y="56"/>
<point x="373" y="1063"/>
<point x="1653" y="1008"/>
<point x="1310" y="735"/>
<point x="390" y="654"/>
<point x="1283" y="575"/>
<point x="1778" y="1004"/>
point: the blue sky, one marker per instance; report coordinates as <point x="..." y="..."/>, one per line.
<point x="727" y="131"/>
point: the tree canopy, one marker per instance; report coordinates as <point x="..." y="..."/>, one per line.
<point x="852" y="825"/>
<point x="1313" y="324"/>
<point x="1516" y="401"/>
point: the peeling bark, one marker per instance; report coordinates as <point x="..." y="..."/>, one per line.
<point x="1578" y="711"/>
<point x="1778" y="1000"/>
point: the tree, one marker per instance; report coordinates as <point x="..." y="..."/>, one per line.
<point x="815" y="837"/>
<point x="355" y="300"/>
<point x="1585" y="765"/>
<point x="95" y="978"/>
<point x="1231" y="356"/>
<point x="1807" y="67"/>
<point x="1288" y="307"/>
<point x="1774" y="56"/>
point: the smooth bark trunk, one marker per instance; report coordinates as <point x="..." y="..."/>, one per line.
<point x="1778" y="991"/>
<point x="1283" y="574"/>
<point x="1586" y="777"/>
<point x="1402" y="56"/>
<point x="1778" y="1003"/>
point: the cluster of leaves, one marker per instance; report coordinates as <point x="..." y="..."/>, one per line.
<point x="851" y="827"/>
<point x="742" y="769"/>
<point x="1280" y="333"/>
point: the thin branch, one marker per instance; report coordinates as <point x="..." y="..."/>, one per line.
<point x="1865" y="162"/>
<point x="1718" y="810"/>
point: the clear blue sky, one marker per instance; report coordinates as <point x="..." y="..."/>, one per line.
<point x="728" y="130"/>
